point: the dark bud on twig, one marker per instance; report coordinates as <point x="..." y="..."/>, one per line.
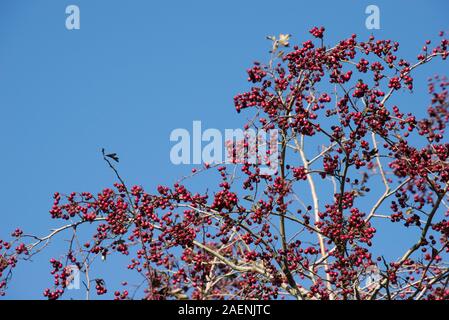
<point x="112" y="156"/>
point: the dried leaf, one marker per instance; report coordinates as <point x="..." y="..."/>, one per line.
<point x="283" y="39"/>
<point x="3" y="263"/>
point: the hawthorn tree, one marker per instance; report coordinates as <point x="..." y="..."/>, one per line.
<point x="351" y="163"/>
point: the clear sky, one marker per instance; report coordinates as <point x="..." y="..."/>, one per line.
<point x="135" y="71"/>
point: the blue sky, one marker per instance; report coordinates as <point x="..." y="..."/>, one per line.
<point x="135" y="71"/>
